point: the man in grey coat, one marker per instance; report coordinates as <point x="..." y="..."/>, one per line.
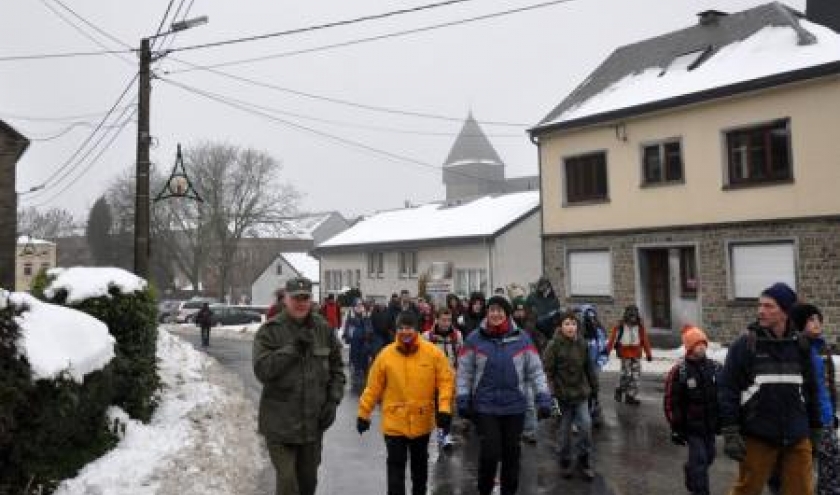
<point x="297" y="358"/>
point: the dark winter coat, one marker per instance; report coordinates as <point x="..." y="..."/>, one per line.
<point x="569" y="370"/>
<point x="690" y="401"/>
<point x="542" y="303"/>
<point x="823" y="366"/>
<point x="473" y="320"/>
<point x="382" y="328"/>
<point x="204" y="317"/>
<point x="299" y="385"/>
<point x="768" y="389"/>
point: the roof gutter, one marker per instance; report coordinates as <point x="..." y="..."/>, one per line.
<point x="815" y="72"/>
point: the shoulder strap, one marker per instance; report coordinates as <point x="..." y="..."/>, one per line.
<point x="682" y="371"/>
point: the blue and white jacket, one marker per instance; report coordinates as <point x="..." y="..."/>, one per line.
<point x="494" y="373"/>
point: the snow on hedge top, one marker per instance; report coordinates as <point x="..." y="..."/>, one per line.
<point x="55" y="338"/>
<point x="481" y="217"/>
<point x="769" y="51"/>
<point x="82" y="282"/>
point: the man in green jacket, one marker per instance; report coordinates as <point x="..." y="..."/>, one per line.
<point x="297" y="358"/>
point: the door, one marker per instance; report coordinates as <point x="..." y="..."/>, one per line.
<point x="659" y="290"/>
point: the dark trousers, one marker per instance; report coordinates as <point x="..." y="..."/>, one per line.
<point x="296" y="466"/>
<point x="499" y="442"/>
<point x="399" y="449"/>
<point x="205" y="335"/>
<point x="701" y="455"/>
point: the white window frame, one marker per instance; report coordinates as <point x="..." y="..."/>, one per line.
<point x="407" y="263"/>
<point x="469" y="280"/>
<point x="589" y="273"/>
<point x="747" y="282"/>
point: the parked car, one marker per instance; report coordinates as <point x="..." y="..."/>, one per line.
<point x="191" y="307"/>
<point x="224" y="314"/>
<point x="168" y="310"/>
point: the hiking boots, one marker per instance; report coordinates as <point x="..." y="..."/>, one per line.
<point x="566" y="468"/>
<point x="629" y="399"/>
<point x="529" y="437"/>
<point x="585" y="467"/>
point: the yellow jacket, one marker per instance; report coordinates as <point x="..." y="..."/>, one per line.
<point x="406" y="385"/>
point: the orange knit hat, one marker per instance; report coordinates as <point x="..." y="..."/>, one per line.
<point x="691" y="336"/>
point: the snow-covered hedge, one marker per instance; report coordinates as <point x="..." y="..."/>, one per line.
<point x="56" y="384"/>
<point x="126" y="304"/>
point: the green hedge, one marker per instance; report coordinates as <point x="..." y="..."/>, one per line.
<point x="49" y="429"/>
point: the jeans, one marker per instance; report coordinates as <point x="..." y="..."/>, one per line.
<point x="399" y="449"/>
<point x="499" y="442"/>
<point x="701" y="455"/>
<point x="576" y="413"/>
<point x="205" y="335"/>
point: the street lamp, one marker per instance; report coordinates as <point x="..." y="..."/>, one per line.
<point x="144" y="138"/>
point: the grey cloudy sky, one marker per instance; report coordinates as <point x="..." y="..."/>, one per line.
<point x="511" y="69"/>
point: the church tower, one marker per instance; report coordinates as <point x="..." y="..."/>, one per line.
<point x="473" y="168"/>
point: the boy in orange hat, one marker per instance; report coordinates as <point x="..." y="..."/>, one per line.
<point x="691" y="408"/>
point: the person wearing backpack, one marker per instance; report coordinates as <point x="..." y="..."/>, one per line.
<point x="808" y="320"/>
<point x="629" y="339"/>
<point x="767" y="398"/>
<point x="596" y="343"/>
<point x="690" y="404"/>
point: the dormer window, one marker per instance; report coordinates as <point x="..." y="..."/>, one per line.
<point x="687" y="61"/>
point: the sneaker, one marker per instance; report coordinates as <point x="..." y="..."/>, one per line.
<point x="529" y="437"/>
<point x="632" y="400"/>
<point x="448" y="443"/>
<point x="618" y="395"/>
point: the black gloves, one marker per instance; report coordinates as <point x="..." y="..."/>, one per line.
<point x="327" y="416"/>
<point x="443" y="420"/>
<point x="733" y="443"/>
<point x="678" y="438"/>
<point x="362" y="425"/>
<point x="543" y="412"/>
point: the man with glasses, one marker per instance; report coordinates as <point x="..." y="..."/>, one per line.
<point x="297" y="358"/>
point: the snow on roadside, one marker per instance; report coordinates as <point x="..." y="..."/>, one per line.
<point x="664" y="359"/>
<point x="201" y="440"/>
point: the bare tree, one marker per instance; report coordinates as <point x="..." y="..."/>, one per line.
<point x="48" y="225"/>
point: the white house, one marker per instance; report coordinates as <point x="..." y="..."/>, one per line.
<point x="282" y="268"/>
<point x="476" y="245"/>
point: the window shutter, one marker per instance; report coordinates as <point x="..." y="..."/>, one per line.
<point x="590" y="273"/>
<point x="758" y="266"/>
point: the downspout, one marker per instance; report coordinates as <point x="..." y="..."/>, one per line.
<point x="535" y="140"/>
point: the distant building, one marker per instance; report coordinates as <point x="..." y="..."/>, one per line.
<point x="32" y="256"/>
<point x="476" y="245"/>
<point x="282" y="268"/>
<point x="473" y="168"/>
<point x="12" y="145"/>
<point x="693" y="169"/>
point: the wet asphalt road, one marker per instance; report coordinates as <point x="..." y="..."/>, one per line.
<point x="633" y="455"/>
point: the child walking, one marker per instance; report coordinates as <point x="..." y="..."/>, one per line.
<point x="629" y="338"/>
<point x="572" y="380"/>
<point x="691" y="408"/>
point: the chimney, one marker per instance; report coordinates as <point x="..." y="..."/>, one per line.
<point x="710" y="17"/>
<point x="824" y="12"/>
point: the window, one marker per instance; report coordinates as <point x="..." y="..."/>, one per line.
<point x="759" y="154"/>
<point x="662" y="162"/>
<point x="279" y="268"/>
<point x="27" y="269"/>
<point x="408" y="264"/>
<point x="333" y="280"/>
<point x="376" y="264"/>
<point x="586" y="177"/>
<point x="590" y="273"/>
<point x="358" y="278"/>
<point x="348" y="278"/>
<point x="688" y="272"/>
<point x="470" y="280"/>
<point x="756" y="266"/>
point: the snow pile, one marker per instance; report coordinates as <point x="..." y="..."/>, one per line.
<point x="55" y="339"/>
<point x="201" y="440"/>
<point x="770" y="51"/>
<point x="82" y="282"/>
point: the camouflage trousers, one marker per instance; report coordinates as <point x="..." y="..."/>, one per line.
<point x="296" y="466"/>
<point x="631" y="370"/>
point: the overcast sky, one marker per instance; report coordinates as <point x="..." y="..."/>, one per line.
<point x="511" y="69"/>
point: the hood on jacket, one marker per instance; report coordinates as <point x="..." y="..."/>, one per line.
<point x="477" y="296"/>
<point x="544" y="288"/>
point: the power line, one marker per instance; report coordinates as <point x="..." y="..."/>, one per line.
<point x="395" y="34"/>
<point x="163" y="19"/>
<point x="344" y="141"/>
<point x="32" y="137"/>
<point x="91" y="25"/>
<point x="52" y="119"/>
<point x="165" y="36"/>
<point x="91" y="163"/>
<point x="49" y="56"/>
<point x="320" y="27"/>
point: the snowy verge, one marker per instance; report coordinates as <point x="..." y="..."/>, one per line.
<point x="239" y="332"/>
<point x="201" y="440"/>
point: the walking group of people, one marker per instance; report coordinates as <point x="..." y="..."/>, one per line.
<point x="502" y="365"/>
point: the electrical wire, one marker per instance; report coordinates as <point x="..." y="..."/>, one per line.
<point x="320" y="27"/>
<point x="162" y="22"/>
<point x="344" y="141"/>
<point x="50" y="56"/>
<point x="34" y="137"/>
<point x="90" y="164"/>
<point x="91" y="25"/>
<point x="163" y="38"/>
<point x="7" y="115"/>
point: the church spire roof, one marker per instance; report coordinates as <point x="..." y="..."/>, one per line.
<point x="472" y="146"/>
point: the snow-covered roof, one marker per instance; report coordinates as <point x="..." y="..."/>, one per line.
<point x="306" y="265"/>
<point x="56" y="339"/>
<point x="482" y="217"/>
<point x="769" y="40"/>
<point x="25" y="239"/>
<point x="82" y="282"/>
<point x="288" y="228"/>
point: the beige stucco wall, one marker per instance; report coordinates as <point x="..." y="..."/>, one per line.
<point x="814" y="112"/>
<point x="42" y="258"/>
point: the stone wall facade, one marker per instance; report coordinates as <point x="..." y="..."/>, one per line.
<point x="12" y="145"/>
<point x="816" y="245"/>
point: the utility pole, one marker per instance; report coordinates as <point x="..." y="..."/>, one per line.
<point x="144" y="138"/>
